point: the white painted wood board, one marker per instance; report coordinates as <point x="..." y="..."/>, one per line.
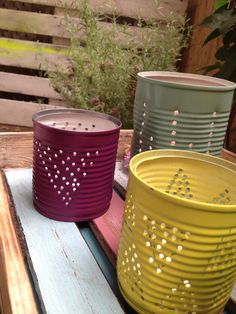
<point x="64" y="269"/>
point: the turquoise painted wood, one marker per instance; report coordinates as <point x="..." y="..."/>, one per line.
<point x="65" y="273"/>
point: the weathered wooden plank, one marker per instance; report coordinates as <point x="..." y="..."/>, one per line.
<point x="131" y="8"/>
<point x="230" y="156"/>
<point x="20" y="112"/>
<point x="16" y="149"/>
<point x="121" y="178"/>
<point x="53" y="25"/>
<point x="64" y="269"/>
<point x="15" y="287"/>
<point x="107" y="228"/>
<point x="33" y="55"/>
<point x="124" y="143"/>
<point x="27" y="85"/>
<point x="32" y="22"/>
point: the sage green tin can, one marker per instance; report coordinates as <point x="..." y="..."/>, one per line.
<point x="181" y="111"/>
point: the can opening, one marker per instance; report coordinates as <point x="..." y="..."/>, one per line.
<point x="186" y="80"/>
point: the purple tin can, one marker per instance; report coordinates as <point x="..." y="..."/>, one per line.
<point x="74" y="163"/>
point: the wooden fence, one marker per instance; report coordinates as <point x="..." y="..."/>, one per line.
<point x="34" y="39"/>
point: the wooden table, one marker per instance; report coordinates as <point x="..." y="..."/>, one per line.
<point x="55" y="267"/>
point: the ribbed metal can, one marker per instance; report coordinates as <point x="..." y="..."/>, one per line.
<point x="177" y="250"/>
<point x="74" y="162"/>
<point x="181" y="111"/>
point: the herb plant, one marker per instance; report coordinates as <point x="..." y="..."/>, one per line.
<point x="105" y="63"/>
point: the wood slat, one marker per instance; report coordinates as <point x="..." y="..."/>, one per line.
<point x="230" y="156"/>
<point x="27" y="85"/>
<point x="107" y="228"/>
<point x="53" y="25"/>
<point x="16" y="148"/>
<point x="20" y="112"/>
<point x="33" y="55"/>
<point x="121" y="178"/>
<point x="63" y="268"/>
<point x="131" y="8"/>
<point x="15" y="288"/>
<point x="32" y="22"/>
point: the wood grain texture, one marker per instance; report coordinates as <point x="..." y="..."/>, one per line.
<point x="131" y="8"/>
<point x="15" y="288"/>
<point x="16" y="148"/>
<point x="27" y="85"/>
<point x="33" y="55"/>
<point x="63" y="267"/>
<point x="20" y="112"/>
<point x="121" y="178"/>
<point x="107" y="228"/>
<point x="54" y="25"/>
<point x="124" y="143"/>
<point x="197" y="56"/>
<point x="230" y="156"/>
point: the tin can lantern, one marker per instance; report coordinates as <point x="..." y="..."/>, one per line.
<point x="181" y="111"/>
<point x="177" y="251"/>
<point x="74" y="162"/>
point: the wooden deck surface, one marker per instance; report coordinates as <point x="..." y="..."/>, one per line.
<point x="65" y="274"/>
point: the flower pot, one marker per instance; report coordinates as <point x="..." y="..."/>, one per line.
<point x="181" y="111"/>
<point x="74" y="162"/>
<point x="177" y="251"/>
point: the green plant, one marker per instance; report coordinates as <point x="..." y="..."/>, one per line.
<point x="223" y="23"/>
<point x="104" y="65"/>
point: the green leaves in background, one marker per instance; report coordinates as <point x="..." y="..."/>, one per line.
<point x="220" y="3"/>
<point x="223" y="23"/>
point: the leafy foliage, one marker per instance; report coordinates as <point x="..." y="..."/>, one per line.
<point x="223" y="23"/>
<point x="103" y="69"/>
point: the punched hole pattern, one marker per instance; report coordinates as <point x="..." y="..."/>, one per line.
<point x="73" y="126"/>
<point x="151" y="140"/>
<point x="223" y="198"/>
<point x="63" y="181"/>
<point x="179" y="185"/>
<point x="156" y="237"/>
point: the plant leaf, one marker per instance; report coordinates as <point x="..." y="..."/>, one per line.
<point x="229" y="66"/>
<point x="212" y="36"/>
<point x="210" y="68"/>
<point x="222" y="20"/>
<point x="220" y="3"/>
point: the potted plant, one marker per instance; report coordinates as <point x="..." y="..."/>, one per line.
<point x="223" y="23"/>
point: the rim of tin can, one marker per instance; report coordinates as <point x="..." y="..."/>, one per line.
<point x="38" y="117"/>
<point x="162" y="153"/>
<point x="187" y="81"/>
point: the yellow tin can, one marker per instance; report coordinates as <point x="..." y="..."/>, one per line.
<point x="177" y="251"/>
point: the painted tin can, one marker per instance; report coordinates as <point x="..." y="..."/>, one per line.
<point x="181" y="111"/>
<point x="177" y="251"/>
<point x="74" y="162"/>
